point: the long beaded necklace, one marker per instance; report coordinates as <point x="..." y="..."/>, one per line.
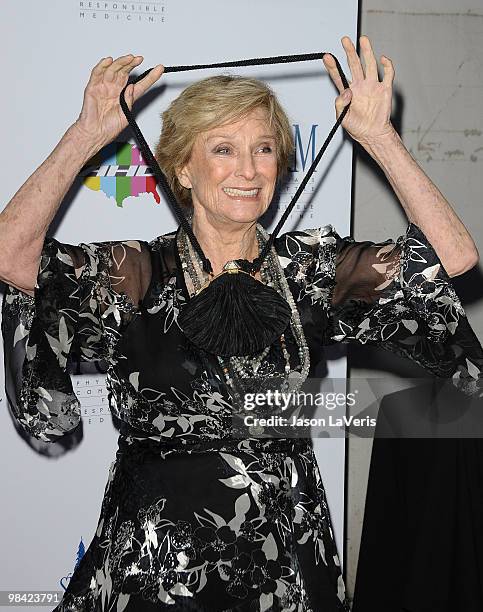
<point x="241" y="369"/>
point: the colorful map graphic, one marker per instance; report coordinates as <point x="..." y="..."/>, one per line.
<point x="119" y="171"/>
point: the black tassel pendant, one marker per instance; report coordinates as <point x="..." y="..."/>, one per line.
<point x="235" y="314"/>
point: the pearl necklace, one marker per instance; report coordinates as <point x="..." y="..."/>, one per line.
<point x="237" y="369"/>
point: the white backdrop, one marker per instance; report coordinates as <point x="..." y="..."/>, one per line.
<point x="51" y="497"/>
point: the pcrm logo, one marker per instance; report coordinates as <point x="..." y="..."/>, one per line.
<point x="119" y="171"/>
<point x="305" y="147"/>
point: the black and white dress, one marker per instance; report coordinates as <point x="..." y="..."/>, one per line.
<point x="192" y="517"/>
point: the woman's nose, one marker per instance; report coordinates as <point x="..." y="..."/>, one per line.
<point x="246" y="166"/>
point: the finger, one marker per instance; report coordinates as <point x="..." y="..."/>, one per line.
<point x="353" y="59"/>
<point x="149" y="80"/>
<point x="98" y="71"/>
<point x="369" y="59"/>
<point x="342" y="101"/>
<point x="389" y="71"/>
<point x="331" y="66"/>
<point x="129" y="95"/>
<point x="126" y="69"/>
<point x="117" y="64"/>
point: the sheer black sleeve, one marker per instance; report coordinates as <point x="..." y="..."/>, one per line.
<point x="398" y="296"/>
<point x="76" y="287"/>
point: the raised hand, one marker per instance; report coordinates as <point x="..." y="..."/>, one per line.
<point x="101" y="118"/>
<point x="369" y="116"/>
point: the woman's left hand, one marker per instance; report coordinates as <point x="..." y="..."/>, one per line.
<point x="369" y="116"/>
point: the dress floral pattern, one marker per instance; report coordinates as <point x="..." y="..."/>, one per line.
<point x="192" y="517"/>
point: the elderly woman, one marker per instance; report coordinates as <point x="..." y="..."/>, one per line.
<point x="194" y="518"/>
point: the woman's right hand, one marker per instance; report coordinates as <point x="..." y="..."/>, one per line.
<point x="101" y="118"/>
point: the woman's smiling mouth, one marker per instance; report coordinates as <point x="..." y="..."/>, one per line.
<point x="241" y="193"/>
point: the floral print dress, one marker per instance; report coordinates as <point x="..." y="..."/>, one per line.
<point x="192" y="517"/>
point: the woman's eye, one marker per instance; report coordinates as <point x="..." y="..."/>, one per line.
<point x="225" y="150"/>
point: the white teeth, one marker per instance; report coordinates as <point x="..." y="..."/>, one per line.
<point x="239" y="192"/>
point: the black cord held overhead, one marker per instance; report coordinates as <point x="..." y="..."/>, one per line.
<point x="151" y="160"/>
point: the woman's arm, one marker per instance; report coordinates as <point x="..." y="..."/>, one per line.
<point x="424" y="204"/>
<point x="26" y="218"/>
<point x="368" y="121"/>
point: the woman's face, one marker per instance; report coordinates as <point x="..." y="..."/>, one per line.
<point x="232" y="170"/>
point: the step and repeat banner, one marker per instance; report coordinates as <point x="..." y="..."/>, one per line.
<point x="51" y="493"/>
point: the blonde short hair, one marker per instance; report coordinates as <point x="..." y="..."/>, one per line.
<point x="209" y="103"/>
